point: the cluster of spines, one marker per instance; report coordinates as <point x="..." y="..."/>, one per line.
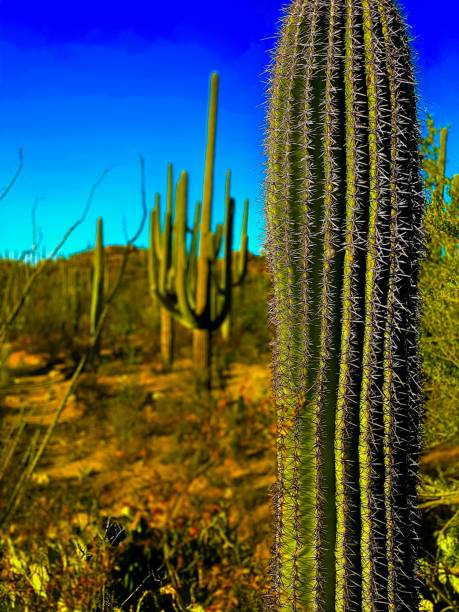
<point x="344" y="210"/>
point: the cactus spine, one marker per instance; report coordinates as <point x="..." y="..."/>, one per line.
<point x="97" y="295"/>
<point x="344" y="210"/>
<point x="185" y="281"/>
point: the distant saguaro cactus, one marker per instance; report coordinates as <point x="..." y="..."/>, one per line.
<point x="97" y="295"/>
<point x="344" y="210"/>
<point x="185" y="280"/>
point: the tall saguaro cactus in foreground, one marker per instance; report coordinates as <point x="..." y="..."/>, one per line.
<point x="344" y="212"/>
<point x="185" y="279"/>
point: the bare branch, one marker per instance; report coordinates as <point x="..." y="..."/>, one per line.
<point x="39" y="269"/>
<point x="16" y="495"/>
<point x="15" y="177"/>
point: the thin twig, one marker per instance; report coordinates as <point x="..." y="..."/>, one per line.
<point x="15" y="177"/>
<point x="151" y="574"/>
<point x="19" y="488"/>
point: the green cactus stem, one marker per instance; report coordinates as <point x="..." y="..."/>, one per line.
<point x="202" y="337"/>
<point x="239" y="260"/>
<point x="344" y="210"/>
<point x="161" y="247"/>
<point x="97" y="295"/>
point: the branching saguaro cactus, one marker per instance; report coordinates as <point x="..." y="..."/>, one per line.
<point x="344" y="210"/>
<point x="176" y="287"/>
<point x="97" y="295"/>
<point x="185" y="281"/>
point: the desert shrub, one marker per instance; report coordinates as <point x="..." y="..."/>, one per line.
<point x="196" y="564"/>
<point x="439" y="333"/>
<point x="439" y="344"/>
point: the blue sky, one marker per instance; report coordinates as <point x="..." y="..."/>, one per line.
<point x="94" y="84"/>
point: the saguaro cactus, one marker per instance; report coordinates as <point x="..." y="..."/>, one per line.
<point x="185" y="281"/>
<point x="97" y="295"/>
<point x="344" y="209"/>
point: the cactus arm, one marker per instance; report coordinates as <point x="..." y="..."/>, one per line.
<point x="191" y="271"/>
<point x="241" y="271"/>
<point x="157" y="259"/>
<point x="170" y="200"/>
<point x="225" y="307"/>
<point x="194" y="238"/>
<point x="202" y="305"/>
<point x="165" y="261"/>
<point x="220" y="288"/>
<point x="188" y="316"/>
<point x="210" y="155"/>
<point x="157" y="268"/>
<point x="170" y="187"/>
<point x="439" y="192"/>
<point x="97" y="295"/>
<point x="156" y="239"/>
<point x="152" y="259"/>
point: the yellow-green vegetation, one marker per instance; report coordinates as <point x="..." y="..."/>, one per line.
<point x="439" y="283"/>
<point x="440" y="294"/>
<point x="179" y="470"/>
